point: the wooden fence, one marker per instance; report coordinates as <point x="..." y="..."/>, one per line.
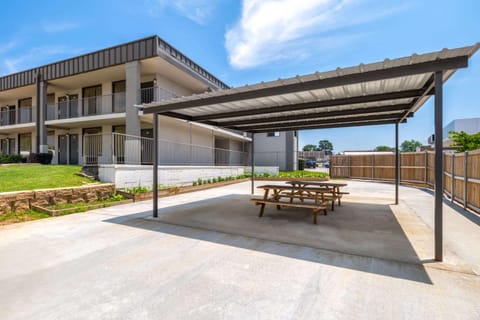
<point x="461" y="172"/>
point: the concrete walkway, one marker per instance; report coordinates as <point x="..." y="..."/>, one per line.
<point x="113" y="263"/>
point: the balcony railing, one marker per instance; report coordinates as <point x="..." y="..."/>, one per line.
<point x="25" y="115"/>
<point x="156" y="93"/>
<point x="8" y="117"/>
<point x="90" y="106"/>
<point x="127" y="149"/>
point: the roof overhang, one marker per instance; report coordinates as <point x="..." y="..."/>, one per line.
<point x="384" y="92"/>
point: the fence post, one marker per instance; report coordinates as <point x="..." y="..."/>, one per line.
<point x="373" y="166"/>
<point x="452" y="171"/>
<point x="426" y="167"/>
<point x="465" y="180"/>
<point x="349" y="166"/>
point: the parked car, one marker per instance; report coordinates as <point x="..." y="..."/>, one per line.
<point x="311" y="163"/>
<point x="326" y="164"/>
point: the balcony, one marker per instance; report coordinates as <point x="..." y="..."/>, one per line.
<point x="16" y="116"/>
<point x="155" y="94"/>
<point x="91" y="106"/>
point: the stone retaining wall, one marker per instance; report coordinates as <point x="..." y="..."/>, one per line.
<point x="23" y="200"/>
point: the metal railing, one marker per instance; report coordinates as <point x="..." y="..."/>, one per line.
<point x="8" y="117"/>
<point x="117" y="148"/>
<point x="156" y="93"/>
<point x="84" y="107"/>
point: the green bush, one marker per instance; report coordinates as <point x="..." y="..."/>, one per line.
<point x="214" y="180"/>
<point x="42" y="158"/>
<point x="209" y="181"/>
<point x="199" y="181"/>
<point x="204" y="181"/>
<point x="10" y="158"/>
<point x="194" y="183"/>
<point x="137" y="190"/>
<point x="301" y="164"/>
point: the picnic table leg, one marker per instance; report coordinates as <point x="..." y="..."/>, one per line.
<point x="262" y="206"/>
<point x="277" y="197"/>
<point x="338" y="193"/>
<point x="315" y="212"/>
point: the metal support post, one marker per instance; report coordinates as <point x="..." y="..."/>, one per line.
<point x="252" y="155"/>
<point x="397" y="164"/>
<point x="438" y="166"/>
<point x="155" y="165"/>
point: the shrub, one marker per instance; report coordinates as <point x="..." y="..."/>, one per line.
<point x="209" y="181"/>
<point x="10" y="158"/>
<point x="43" y="158"/>
<point x="204" y="181"/>
<point x="301" y="164"/>
<point x="194" y="183"/>
<point x="214" y="180"/>
<point x="199" y="181"/>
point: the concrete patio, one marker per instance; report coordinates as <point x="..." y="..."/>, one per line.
<point x="208" y="256"/>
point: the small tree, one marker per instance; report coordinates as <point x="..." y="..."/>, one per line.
<point x="464" y="141"/>
<point x="383" y="148"/>
<point x="410" y="145"/>
<point x="325" y="145"/>
<point x="310" y="147"/>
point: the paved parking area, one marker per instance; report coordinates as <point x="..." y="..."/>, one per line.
<point x="115" y="263"/>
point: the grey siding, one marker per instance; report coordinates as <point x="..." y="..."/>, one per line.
<point x="136" y="50"/>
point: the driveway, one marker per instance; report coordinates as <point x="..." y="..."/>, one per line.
<point x="117" y="263"/>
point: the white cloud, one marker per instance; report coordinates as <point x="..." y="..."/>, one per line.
<point x="34" y="57"/>
<point x="198" y="11"/>
<point x="8" y="46"/>
<point x="56" y="27"/>
<point x="274" y="30"/>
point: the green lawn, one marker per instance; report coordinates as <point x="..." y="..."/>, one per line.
<point x="31" y="177"/>
<point x="302" y="174"/>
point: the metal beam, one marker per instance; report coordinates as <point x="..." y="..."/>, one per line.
<point x="387" y="108"/>
<point x="359" y="77"/>
<point x="338" y="125"/>
<point x="429" y="89"/>
<point x="319" y="122"/>
<point x="438" y="208"/>
<point x="155" y="165"/>
<point x="314" y="105"/>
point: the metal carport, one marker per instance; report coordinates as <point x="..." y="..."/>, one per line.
<point x="386" y="92"/>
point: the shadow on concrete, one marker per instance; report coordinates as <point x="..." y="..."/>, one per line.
<point x="473" y="217"/>
<point x="360" y="236"/>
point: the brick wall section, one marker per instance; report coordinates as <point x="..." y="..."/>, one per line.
<point x="23" y="200"/>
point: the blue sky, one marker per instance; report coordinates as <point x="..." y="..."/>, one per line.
<point x="245" y="42"/>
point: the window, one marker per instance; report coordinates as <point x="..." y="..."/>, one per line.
<point x="68" y="106"/>
<point x="51" y="140"/>
<point x="50" y="106"/>
<point x="25" y="143"/>
<point x="147" y="92"/>
<point x="118" y="97"/>
<point x="92" y="100"/>
<point x="25" y="112"/>
<point x="273" y="134"/>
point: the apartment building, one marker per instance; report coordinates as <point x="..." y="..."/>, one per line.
<point x="83" y="109"/>
<point x="278" y="149"/>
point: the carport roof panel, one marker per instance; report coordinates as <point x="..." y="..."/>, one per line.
<point x="405" y="82"/>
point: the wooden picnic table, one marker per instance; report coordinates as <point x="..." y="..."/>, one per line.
<point x="334" y="186"/>
<point x="297" y="196"/>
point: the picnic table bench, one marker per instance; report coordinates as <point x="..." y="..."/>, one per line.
<point x="334" y="187"/>
<point x="317" y="194"/>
